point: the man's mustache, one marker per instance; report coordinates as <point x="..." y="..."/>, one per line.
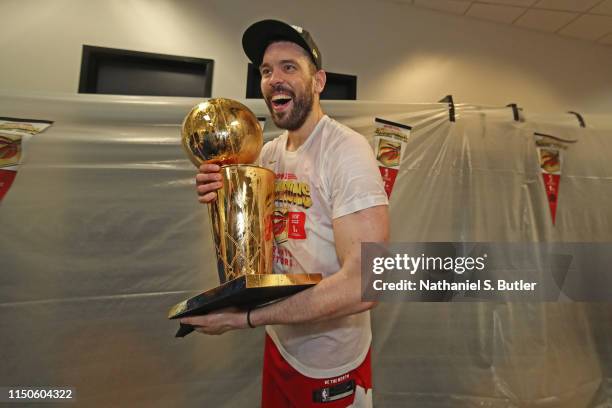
<point x="280" y="88"/>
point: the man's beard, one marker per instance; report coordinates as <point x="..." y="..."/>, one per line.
<point x="295" y="118"/>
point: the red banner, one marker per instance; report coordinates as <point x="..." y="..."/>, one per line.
<point x="551" y="183"/>
<point x="14" y="132"/>
<point x="390" y="140"/>
<point x="551" y="150"/>
<point x="388" y="175"/>
<point x="6" y="179"/>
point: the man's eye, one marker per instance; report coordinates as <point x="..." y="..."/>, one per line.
<point x="264" y="72"/>
<point x="289" y="67"/>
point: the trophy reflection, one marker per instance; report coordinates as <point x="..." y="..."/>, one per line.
<point x="227" y="133"/>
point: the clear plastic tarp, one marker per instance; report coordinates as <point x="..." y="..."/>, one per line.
<point x="101" y="233"/>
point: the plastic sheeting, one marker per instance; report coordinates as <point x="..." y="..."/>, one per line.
<point x="101" y="233"/>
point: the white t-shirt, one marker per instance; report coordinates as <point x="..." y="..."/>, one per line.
<point x="332" y="174"/>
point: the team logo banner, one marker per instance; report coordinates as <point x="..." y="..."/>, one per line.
<point x="390" y="141"/>
<point x="550" y="158"/>
<point x="14" y="133"/>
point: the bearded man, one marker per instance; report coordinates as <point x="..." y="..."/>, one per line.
<point x="317" y="347"/>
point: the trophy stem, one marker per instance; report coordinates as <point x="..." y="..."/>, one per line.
<point x="241" y="220"/>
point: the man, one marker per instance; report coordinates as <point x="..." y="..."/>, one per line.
<point x="329" y="199"/>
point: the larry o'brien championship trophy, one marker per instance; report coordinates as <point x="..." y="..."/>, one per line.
<point x="227" y="133"/>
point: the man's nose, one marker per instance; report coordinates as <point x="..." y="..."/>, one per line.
<point x="276" y="78"/>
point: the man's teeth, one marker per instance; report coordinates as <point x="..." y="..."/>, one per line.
<point x="281" y="98"/>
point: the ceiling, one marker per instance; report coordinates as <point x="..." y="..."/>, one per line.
<point x="589" y="20"/>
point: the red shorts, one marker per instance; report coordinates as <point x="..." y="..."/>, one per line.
<point x="284" y="387"/>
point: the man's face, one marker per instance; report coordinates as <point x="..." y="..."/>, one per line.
<point x="287" y="84"/>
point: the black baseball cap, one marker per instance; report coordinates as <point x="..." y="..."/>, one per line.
<point x="259" y="35"/>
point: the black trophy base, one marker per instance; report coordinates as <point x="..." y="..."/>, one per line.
<point x="246" y="291"/>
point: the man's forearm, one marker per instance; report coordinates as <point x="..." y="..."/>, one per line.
<point x="339" y="294"/>
<point x="335" y="296"/>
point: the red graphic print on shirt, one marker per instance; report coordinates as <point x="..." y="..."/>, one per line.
<point x="291" y="196"/>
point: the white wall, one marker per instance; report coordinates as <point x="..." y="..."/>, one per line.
<point x="400" y="53"/>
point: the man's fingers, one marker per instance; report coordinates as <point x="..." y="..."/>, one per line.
<point x="208" y="324"/>
<point x="204" y="178"/>
<point x="207" y="181"/>
<point x="208" y="198"/>
<point x="207" y="188"/>
<point x="194" y="321"/>
<point x="207" y="331"/>
<point x="209" y="168"/>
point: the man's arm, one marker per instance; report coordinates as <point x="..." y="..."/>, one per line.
<point x="339" y="294"/>
<point x="335" y="296"/>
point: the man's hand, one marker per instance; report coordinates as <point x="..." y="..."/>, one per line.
<point x="208" y="180"/>
<point x="218" y="322"/>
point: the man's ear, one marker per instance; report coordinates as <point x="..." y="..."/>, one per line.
<point x="320" y="79"/>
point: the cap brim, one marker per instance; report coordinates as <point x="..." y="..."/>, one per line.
<point x="258" y="36"/>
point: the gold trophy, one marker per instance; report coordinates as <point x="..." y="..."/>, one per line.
<point x="225" y="132"/>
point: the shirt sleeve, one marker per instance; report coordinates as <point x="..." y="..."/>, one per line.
<point x="355" y="179"/>
<point x="263" y="154"/>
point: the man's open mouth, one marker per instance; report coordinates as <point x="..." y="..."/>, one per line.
<point x="281" y="102"/>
